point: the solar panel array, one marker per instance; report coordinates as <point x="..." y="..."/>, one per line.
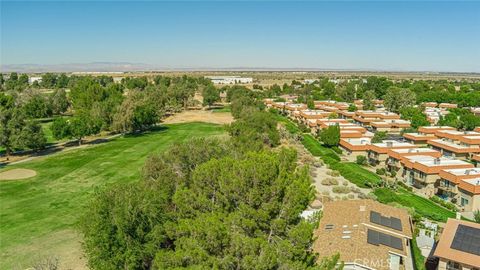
<point x="377" y="238"/>
<point x="467" y="239"/>
<point x="391" y="222"/>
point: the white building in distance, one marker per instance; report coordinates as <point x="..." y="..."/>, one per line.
<point x="229" y="79"/>
<point x="34" y="79"/>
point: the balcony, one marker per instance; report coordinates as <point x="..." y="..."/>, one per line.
<point x="449" y="188"/>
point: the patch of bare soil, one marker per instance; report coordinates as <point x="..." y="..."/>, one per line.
<point x="200" y="116"/>
<point x="17" y="174"/>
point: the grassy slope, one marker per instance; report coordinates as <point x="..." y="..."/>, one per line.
<point x="351" y="171"/>
<point x="36" y="208"/>
<point x="422" y="206"/>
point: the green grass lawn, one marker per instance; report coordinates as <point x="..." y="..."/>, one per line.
<point x="48" y="133"/>
<point x="422" y="206"/>
<point x="38" y="214"/>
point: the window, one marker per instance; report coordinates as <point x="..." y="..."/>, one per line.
<point x="453" y="266"/>
<point x="464" y="202"/>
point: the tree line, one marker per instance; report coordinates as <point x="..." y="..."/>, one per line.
<point x="89" y="106"/>
<point x="210" y="203"/>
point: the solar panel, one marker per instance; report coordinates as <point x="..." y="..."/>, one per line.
<point x="372" y="237"/>
<point x="396" y="223"/>
<point x="390" y="222"/>
<point x="376" y="238"/>
<point x="375" y="217"/>
<point x="467" y="239"/>
<point x="396" y="242"/>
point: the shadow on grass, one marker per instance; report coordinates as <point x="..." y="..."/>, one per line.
<point x="149" y="131"/>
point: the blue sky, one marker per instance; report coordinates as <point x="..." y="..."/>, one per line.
<point x="380" y="35"/>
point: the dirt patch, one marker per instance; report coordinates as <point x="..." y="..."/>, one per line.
<point x="17" y="174"/>
<point x="200" y="116"/>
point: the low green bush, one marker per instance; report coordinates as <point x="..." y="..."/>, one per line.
<point x="381" y="171"/>
<point x="448" y="205"/>
<point x="361" y="160"/>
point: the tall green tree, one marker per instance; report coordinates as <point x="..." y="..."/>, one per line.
<point x="210" y="95"/>
<point x="59" y="102"/>
<point x="397" y="98"/>
<point x="368" y="100"/>
<point x="331" y="135"/>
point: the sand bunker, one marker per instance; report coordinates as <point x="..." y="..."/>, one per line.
<point x="16" y="174"/>
<point x="200" y="116"/>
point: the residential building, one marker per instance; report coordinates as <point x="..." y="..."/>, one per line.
<point x="459" y="246"/>
<point x="435" y="114"/>
<point x="457" y="144"/>
<point x="364" y="118"/>
<point x="418" y="138"/>
<point x="396" y="156"/>
<point x="422" y="172"/>
<point x="346" y="114"/>
<point x="424" y="134"/>
<point x="354" y="147"/>
<point x="292" y="107"/>
<point x="447" y="105"/>
<point x="308" y="114"/>
<point x="433" y="129"/>
<point x="476" y="160"/>
<point x="392" y="126"/>
<point x="430" y="104"/>
<point x="461" y="186"/>
<point x="378" y="152"/>
<point x="366" y="234"/>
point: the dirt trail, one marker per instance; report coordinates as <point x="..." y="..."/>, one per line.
<point x="200" y="116"/>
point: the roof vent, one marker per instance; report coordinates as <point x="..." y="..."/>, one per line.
<point x="362" y="208"/>
<point x="436" y="161"/>
<point x="389" y="144"/>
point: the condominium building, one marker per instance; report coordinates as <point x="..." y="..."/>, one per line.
<point x="396" y="156"/>
<point x="457" y="144"/>
<point x="294" y="107"/>
<point x="392" y="126"/>
<point x="422" y="172"/>
<point x="378" y="152"/>
<point x="447" y="105"/>
<point x="364" y="118"/>
<point x="461" y="186"/>
<point x="354" y="147"/>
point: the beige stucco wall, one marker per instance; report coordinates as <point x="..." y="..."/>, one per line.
<point x="473" y="201"/>
<point x="442" y="265"/>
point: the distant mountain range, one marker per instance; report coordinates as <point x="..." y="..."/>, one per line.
<point x="132" y="67"/>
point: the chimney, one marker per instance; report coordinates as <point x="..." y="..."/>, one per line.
<point x="436" y="161"/>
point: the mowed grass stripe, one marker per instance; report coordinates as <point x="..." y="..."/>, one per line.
<point x="53" y="199"/>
